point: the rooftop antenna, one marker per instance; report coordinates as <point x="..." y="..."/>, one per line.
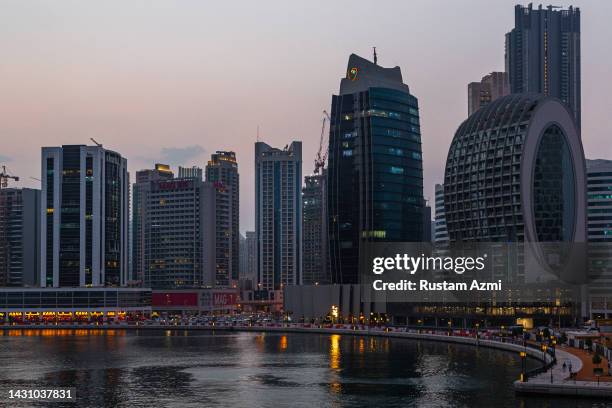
<point x="375" y="56"/>
<point x="258" y="133"/>
<point x="94" y="140"/>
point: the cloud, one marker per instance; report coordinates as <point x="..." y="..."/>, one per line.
<point x="181" y="155"/>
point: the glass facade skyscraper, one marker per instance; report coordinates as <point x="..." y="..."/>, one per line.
<point x="84" y="217"/>
<point x="375" y="172"/>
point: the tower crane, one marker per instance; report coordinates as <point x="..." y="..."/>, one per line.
<point x="5" y="176"/>
<point x="321" y="157"/>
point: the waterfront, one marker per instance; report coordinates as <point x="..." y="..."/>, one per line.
<point x="201" y="368"/>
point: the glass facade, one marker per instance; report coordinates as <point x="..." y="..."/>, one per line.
<point x="85" y="234"/>
<point x="70" y="229"/>
<point x="375" y="174"/>
<point x="600" y="237"/>
<point x="112" y="219"/>
<point x="553" y="188"/>
<point x="51" y="299"/>
<point x="50" y="182"/>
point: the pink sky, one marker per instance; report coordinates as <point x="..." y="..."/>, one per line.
<point x="176" y="80"/>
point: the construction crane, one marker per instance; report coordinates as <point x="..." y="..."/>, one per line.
<point x="5" y="176"/>
<point x="321" y="157"/>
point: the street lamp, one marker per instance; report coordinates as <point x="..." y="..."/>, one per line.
<point x="334" y="313"/>
<point x="523" y="355"/>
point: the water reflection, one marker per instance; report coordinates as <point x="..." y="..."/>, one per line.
<point x="182" y="368"/>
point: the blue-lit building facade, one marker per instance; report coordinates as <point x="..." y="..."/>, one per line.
<point x="375" y="172"/>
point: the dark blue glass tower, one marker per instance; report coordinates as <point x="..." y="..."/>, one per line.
<point x="375" y="171"/>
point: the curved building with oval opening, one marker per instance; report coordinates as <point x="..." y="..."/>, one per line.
<point x="515" y="172"/>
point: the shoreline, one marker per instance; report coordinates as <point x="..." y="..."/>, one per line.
<point x="539" y="384"/>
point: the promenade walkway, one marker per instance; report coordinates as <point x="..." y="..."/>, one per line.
<point x="586" y="374"/>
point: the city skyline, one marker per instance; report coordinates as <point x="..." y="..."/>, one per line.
<point x="178" y="93"/>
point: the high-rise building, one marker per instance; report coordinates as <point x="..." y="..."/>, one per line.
<point x="19" y="236"/>
<point x="84" y="217"/>
<point x="375" y="172"/>
<point x="248" y="260"/>
<point x="599" y="200"/>
<point x="278" y="215"/>
<point x="315" y="269"/>
<point x="140" y="191"/>
<point x="490" y="87"/>
<point x="543" y="54"/>
<point x="174" y="237"/>
<point x="515" y="173"/>
<point x="440" y="232"/>
<point x="222" y="172"/>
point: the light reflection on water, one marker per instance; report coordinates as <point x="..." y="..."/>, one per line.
<point x="181" y="368"/>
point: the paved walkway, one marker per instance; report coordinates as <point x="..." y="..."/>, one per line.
<point x="586" y="373"/>
<point x="559" y="375"/>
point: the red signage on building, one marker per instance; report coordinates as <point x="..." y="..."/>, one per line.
<point x="175" y="299"/>
<point x="174" y="185"/>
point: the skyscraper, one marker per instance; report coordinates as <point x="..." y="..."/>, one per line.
<point x="375" y="172"/>
<point x="19" y="236"/>
<point x="222" y="172"/>
<point x="314" y="201"/>
<point x="174" y="237"/>
<point x="84" y="217"/>
<point x="515" y="173"/>
<point x="140" y="192"/>
<point x="599" y="199"/>
<point x="278" y="215"/>
<point x="543" y="54"/>
<point x="490" y="87"/>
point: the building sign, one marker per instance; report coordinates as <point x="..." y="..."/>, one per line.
<point x="224" y="298"/>
<point x="174" y="185"/>
<point x="352" y="74"/>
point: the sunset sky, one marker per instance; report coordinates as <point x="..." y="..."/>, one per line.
<point x="174" y="81"/>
